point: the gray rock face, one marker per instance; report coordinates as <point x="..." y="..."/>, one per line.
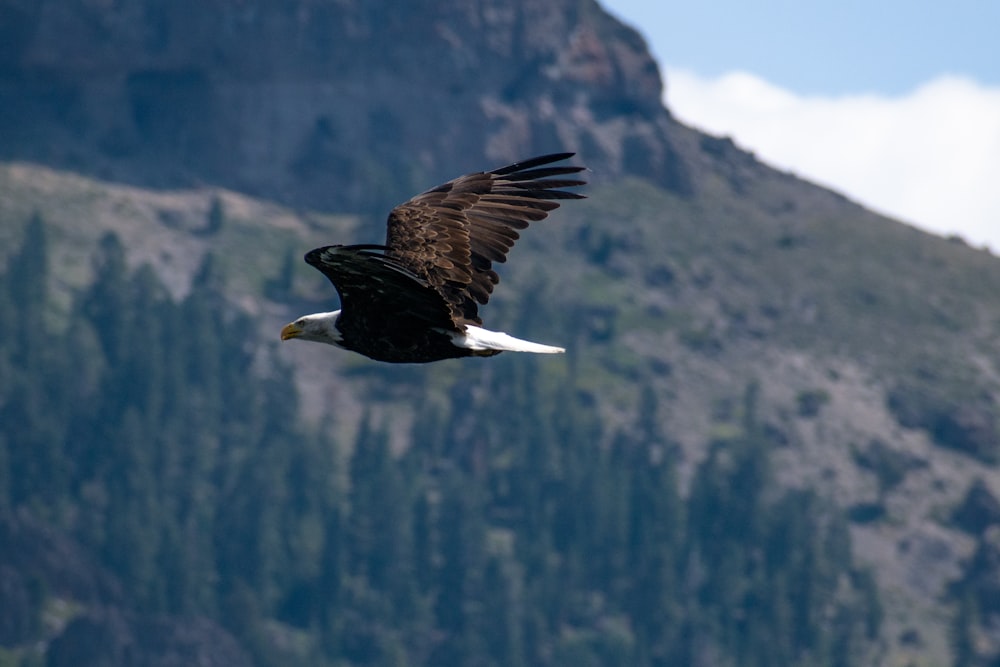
<point x="304" y="101"/>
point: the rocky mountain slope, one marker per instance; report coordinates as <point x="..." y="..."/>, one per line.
<point x="693" y="268"/>
<point x="313" y="102"/>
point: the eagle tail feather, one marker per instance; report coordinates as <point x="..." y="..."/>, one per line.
<point x="479" y="339"/>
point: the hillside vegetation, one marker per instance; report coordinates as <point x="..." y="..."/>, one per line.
<point x="505" y="533"/>
<point x="708" y="357"/>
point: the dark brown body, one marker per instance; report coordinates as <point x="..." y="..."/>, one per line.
<point x="382" y="339"/>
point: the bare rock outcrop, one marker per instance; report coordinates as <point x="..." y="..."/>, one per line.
<point x="310" y="101"/>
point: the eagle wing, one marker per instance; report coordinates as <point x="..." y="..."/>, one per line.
<point x="372" y="285"/>
<point x="450" y="235"/>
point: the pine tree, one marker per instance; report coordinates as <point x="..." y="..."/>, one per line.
<point x="37" y="375"/>
<point x="203" y="313"/>
<point x="654" y="553"/>
<point x="372" y="511"/>
<point x="458" y="609"/>
<point x="27" y="279"/>
<point x="280" y="286"/>
<point x="6" y="494"/>
<point x="502" y="603"/>
<point x="131" y="539"/>
<point x="216" y="216"/>
<point x="330" y="583"/>
<point x="105" y="303"/>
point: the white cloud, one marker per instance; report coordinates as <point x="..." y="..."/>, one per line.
<point x="930" y="158"/>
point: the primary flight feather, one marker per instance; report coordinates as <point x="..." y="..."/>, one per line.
<point x="416" y="298"/>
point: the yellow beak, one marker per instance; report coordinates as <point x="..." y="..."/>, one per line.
<point x="290" y="331"/>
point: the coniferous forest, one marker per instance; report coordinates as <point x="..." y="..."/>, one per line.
<point x="511" y="531"/>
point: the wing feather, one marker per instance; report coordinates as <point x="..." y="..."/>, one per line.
<point x="450" y="235"/>
<point x="368" y="282"/>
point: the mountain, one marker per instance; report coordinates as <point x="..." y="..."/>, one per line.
<point x="703" y="295"/>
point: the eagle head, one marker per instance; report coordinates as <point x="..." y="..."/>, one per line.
<point x="318" y="327"/>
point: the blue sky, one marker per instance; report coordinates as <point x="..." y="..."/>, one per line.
<point x="895" y="104"/>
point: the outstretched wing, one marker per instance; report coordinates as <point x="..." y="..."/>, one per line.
<point x="374" y="287"/>
<point x="451" y="235"/>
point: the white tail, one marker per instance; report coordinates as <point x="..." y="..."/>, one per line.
<point x="476" y="338"/>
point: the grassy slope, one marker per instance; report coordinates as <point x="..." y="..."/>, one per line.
<point x="167" y="229"/>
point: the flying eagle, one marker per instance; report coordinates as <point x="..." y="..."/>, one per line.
<point x="416" y="298"/>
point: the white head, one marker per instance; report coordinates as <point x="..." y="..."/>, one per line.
<point x="318" y="327"/>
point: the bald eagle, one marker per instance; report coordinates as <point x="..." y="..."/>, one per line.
<point x="416" y="299"/>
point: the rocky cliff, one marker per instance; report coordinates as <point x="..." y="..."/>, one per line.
<point x="310" y="102"/>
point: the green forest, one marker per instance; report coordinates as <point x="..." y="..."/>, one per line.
<point x="518" y="530"/>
